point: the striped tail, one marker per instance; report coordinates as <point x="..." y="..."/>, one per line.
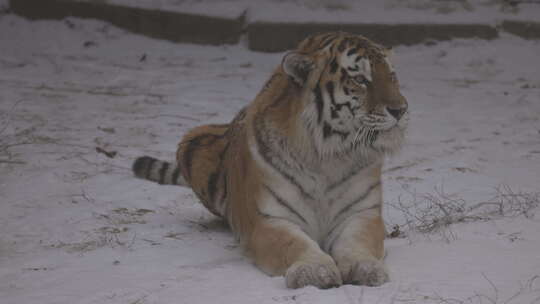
<point x="162" y="172"/>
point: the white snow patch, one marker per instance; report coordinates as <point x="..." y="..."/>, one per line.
<point x="77" y="227"/>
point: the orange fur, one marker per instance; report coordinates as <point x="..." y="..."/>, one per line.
<point x="219" y="164"/>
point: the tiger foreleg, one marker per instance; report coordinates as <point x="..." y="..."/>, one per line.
<point x="358" y="250"/>
<point x="280" y="247"/>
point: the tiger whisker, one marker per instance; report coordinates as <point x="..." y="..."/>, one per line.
<point x="355" y="141"/>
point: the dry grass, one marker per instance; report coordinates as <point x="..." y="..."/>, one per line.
<point x="19" y="137"/>
<point x="107" y="236"/>
<point x="428" y="213"/>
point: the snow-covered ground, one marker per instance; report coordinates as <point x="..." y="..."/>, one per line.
<point x="77" y="227"/>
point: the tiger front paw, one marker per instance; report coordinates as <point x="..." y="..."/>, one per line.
<point x="322" y="275"/>
<point x="368" y="272"/>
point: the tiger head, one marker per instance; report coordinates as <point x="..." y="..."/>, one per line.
<point x="350" y="92"/>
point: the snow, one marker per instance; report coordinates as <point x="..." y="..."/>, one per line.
<point x="77" y="227"/>
<point x="346" y="11"/>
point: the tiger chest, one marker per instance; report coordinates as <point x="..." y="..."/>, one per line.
<point x="319" y="200"/>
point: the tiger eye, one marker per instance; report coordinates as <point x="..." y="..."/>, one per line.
<point x="361" y="79"/>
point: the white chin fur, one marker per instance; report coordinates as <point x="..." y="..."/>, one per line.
<point x="390" y="141"/>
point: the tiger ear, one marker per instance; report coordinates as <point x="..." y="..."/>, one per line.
<point x="297" y="66"/>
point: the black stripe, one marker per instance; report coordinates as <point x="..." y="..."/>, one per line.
<point x="266" y="86"/>
<point x="319" y="102"/>
<point x="212" y="185"/>
<point x="187" y="156"/>
<point x="331" y="245"/>
<point x="352" y="51"/>
<point x="326" y="36"/>
<point x="149" y="167"/>
<point x="341" y="46"/>
<point x="285" y="204"/>
<point x="326" y="43"/>
<point x="309" y="41"/>
<point x="345" y="178"/>
<point x="223" y="152"/>
<point x="224" y="193"/>
<point x="193" y="144"/>
<point x="329" y="131"/>
<point x="330" y="89"/>
<point x="162" y="172"/>
<point x="333" y="66"/>
<point x="334" y="111"/>
<point x="358" y="200"/>
<point x="175" y="175"/>
<point x="326" y="40"/>
<point x="268" y="216"/>
<point x="139" y="166"/>
<point x="240" y="115"/>
<point x="344" y="75"/>
<point x="266" y="152"/>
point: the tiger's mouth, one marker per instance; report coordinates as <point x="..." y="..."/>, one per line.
<point x="380" y="133"/>
<point x="380" y="125"/>
<point x="394" y="127"/>
<point x="391" y="139"/>
<point x="386" y="124"/>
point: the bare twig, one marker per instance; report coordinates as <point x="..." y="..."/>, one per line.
<point x="85" y="196"/>
<point x="427" y="213"/>
<point x="130" y="245"/>
<point x="109" y="154"/>
<point x="495" y="289"/>
<point x="17" y="162"/>
<point x="7" y="146"/>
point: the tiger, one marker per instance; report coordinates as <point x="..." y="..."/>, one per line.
<point x="296" y="174"/>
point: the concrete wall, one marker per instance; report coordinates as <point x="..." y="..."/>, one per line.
<point x="261" y="36"/>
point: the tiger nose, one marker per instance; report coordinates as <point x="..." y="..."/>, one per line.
<point x="397" y="112"/>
